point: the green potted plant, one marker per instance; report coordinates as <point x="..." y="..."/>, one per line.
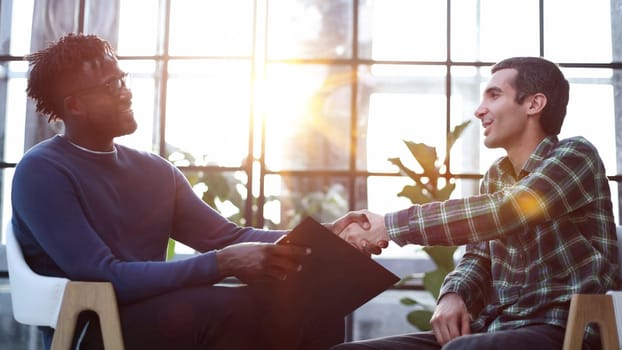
<point x="428" y="188"/>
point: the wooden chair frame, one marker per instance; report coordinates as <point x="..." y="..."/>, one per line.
<point x="56" y="302"/>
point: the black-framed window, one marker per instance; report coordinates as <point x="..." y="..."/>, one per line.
<point x="281" y="108"/>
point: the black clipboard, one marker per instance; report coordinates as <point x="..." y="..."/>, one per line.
<point x="336" y="278"/>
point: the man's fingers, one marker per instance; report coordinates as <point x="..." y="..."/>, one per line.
<point x="352" y="217"/>
<point x="286" y="250"/>
<point x="285" y="258"/>
<point x="441" y="333"/>
<point x="372" y="249"/>
<point x="466" y="324"/>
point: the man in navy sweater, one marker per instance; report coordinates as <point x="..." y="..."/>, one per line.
<point x="89" y="209"/>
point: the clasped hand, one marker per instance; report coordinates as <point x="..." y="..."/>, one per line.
<point x="362" y="229"/>
<point x="252" y="261"/>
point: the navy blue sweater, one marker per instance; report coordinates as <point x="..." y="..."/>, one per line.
<point x="108" y="217"/>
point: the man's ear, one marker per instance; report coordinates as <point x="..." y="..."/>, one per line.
<point x="72" y="105"/>
<point x="536" y="103"/>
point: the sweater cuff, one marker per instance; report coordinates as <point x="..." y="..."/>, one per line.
<point x="210" y="268"/>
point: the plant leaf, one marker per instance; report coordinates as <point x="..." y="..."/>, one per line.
<point x="433" y="280"/>
<point x="170" y="249"/>
<point x="416" y="194"/>
<point x="405" y="170"/>
<point x="425" y="156"/>
<point x="455" y="133"/>
<point x="408" y="301"/>
<point x="420" y="319"/>
<point x="453" y="136"/>
<point x="445" y="192"/>
<point x="406" y="279"/>
<point x="442" y="256"/>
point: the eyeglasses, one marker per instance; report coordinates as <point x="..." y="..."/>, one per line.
<point x="112" y="87"/>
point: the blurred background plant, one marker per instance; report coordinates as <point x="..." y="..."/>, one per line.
<point x="224" y="191"/>
<point x="430" y="185"/>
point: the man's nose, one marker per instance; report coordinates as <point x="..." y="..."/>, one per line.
<point x="480" y="112"/>
<point x="126" y="93"/>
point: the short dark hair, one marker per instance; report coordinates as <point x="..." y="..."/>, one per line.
<point x="538" y="75"/>
<point x="56" y="66"/>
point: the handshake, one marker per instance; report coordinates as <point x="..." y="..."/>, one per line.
<point x="363" y="229"/>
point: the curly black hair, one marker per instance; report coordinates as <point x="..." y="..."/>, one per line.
<point x="52" y="68"/>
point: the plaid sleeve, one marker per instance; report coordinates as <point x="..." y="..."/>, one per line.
<point x="398" y="225"/>
<point x="471" y="278"/>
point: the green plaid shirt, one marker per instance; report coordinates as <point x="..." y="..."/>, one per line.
<point x="532" y="240"/>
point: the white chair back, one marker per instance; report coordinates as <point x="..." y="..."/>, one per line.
<point x="619" y="234"/>
<point x="36" y="299"/>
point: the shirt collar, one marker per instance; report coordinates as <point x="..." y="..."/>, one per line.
<point x="542" y="150"/>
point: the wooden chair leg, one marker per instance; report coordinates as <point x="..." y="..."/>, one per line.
<point x="591" y="308"/>
<point x="81" y="296"/>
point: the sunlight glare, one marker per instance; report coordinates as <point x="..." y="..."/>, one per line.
<point x="288" y="94"/>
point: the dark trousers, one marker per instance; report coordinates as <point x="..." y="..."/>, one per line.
<point x="214" y="317"/>
<point x="537" y="337"/>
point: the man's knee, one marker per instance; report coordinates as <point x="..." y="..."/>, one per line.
<point x="469" y="342"/>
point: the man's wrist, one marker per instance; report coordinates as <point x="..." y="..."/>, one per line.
<point x="222" y="262"/>
<point x="397" y="224"/>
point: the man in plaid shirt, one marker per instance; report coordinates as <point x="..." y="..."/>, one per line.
<point x="541" y="230"/>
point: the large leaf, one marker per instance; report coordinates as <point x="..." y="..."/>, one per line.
<point x="420" y="319"/>
<point x="425" y="156"/>
<point x="408" y="301"/>
<point x="417" y="194"/>
<point x="442" y="256"/>
<point x="405" y="170"/>
<point x="445" y="192"/>
<point x="453" y="136"/>
<point x="433" y="280"/>
<point x="455" y="133"/>
<point x="424" y="192"/>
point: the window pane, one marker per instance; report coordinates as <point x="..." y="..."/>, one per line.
<point x="591" y="110"/>
<point x="15" y="112"/>
<point x="403" y="30"/>
<point x="577" y="32"/>
<point x="466" y="153"/>
<point x="19" y="34"/>
<point x="290" y="199"/>
<point x="307" y="117"/>
<point x="142" y="82"/>
<point x="138" y="39"/>
<point x="400" y="103"/>
<point x="211" y="27"/>
<point x="469" y="154"/>
<point x="465" y="188"/>
<point x="309" y="29"/>
<point x="615" y="188"/>
<point x="208" y="108"/>
<point x="382" y="196"/>
<point x="483" y="30"/>
<point x="225" y="191"/>
<point x="382" y="193"/>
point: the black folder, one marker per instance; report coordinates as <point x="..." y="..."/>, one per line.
<point x="336" y="278"/>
